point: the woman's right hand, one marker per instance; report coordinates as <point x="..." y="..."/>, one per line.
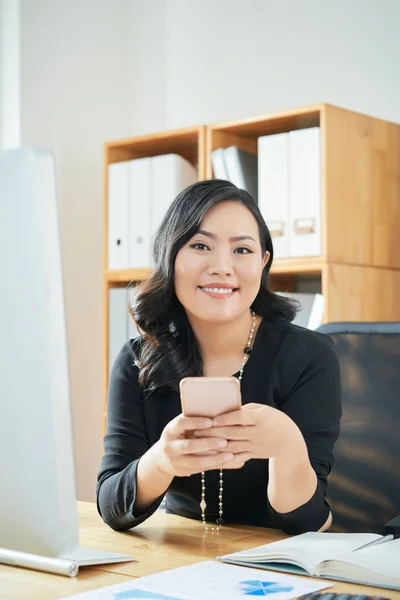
<point x="178" y="455"/>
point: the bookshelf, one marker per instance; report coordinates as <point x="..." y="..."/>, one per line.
<point x="359" y="268"/>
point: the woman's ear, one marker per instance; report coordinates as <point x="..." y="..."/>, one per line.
<point x="266" y="258"/>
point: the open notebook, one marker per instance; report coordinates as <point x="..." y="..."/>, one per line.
<point x="330" y="555"/>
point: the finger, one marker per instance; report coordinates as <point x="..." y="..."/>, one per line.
<point x="181" y="424"/>
<point x="246" y="415"/>
<point x="238" y="461"/>
<point x="236" y="432"/>
<point x="235" y="417"/>
<point x="206" y="463"/>
<point x="194" y="446"/>
<point x="237" y="447"/>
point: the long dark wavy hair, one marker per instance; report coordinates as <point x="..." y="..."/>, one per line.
<point x="168" y="348"/>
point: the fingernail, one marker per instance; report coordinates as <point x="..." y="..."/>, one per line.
<point x="208" y="422"/>
<point x="222" y="443"/>
<point x="228" y="456"/>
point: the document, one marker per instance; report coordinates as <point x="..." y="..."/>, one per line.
<point x="210" y="580"/>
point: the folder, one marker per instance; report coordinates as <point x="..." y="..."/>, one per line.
<point x="118" y="186"/>
<point x="117" y="323"/>
<point x="305" y="192"/>
<point x="241" y="167"/>
<point x="311" y="313"/>
<point x="121" y="326"/>
<point x="273" y="189"/>
<point x="132" y="330"/>
<point x="170" y="174"/>
<point x="218" y="164"/>
<point x="139" y="210"/>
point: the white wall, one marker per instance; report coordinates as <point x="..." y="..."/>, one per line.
<point x="74" y="96"/>
<point x="235" y="58"/>
<point x="9" y="74"/>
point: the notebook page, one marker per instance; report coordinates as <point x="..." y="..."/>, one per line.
<point x="382" y="558"/>
<point x="306" y="550"/>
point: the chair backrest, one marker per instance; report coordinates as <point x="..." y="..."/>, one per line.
<point x="364" y="486"/>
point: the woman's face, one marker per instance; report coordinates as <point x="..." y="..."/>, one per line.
<point x="218" y="272"/>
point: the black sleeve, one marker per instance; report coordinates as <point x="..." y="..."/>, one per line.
<point x="124" y="443"/>
<point x="314" y="404"/>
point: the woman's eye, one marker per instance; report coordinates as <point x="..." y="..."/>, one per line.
<point x="243" y="250"/>
<point x="199" y="246"/>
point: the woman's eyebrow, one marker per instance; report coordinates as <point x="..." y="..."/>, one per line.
<point x="236" y="238"/>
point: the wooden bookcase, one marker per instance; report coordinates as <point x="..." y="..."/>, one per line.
<point x="359" y="268"/>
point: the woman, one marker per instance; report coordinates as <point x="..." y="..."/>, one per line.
<point x="207" y="300"/>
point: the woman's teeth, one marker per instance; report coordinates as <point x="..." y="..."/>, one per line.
<point x="218" y="290"/>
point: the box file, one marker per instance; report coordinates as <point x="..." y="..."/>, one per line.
<point x="170" y="174"/>
<point x="304" y="192"/>
<point x="121" y="326"/>
<point x="273" y="189"/>
<point x="118" y="226"/>
<point x="139" y="211"/>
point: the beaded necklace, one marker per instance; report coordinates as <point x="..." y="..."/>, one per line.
<point x="203" y="504"/>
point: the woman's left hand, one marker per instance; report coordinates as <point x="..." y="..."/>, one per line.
<point x="255" y="431"/>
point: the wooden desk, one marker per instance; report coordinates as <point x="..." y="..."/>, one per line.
<point x="162" y="542"/>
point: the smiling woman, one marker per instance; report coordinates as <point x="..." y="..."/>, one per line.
<point x="207" y="310"/>
<point x="219" y="265"/>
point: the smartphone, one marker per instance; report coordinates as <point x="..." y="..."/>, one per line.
<point x="209" y="396"/>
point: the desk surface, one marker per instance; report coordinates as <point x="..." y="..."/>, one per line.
<point x="162" y="542"/>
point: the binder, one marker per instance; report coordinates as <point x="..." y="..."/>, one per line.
<point x="218" y="164"/>
<point x="311" y="314"/>
<point x="118" y="186"/>
<point x="305" y="192"/>
<point x="170" y="174"/>
<point x="273" y="189"/>
<point x="117" y="323"/>
<point x="132" y="330"/>
<point x="139" y="210"/>
<point x="241" y="167"/>
<point x="121" y="326"/>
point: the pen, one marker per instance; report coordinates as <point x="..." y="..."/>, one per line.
<point x="385" y="538"/>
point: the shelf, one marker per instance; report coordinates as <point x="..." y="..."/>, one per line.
<point x="283" y="266"/>
<point x="127" y="275"/>
<point x="297" y="266"/>
<point x="187" y="142"/>
<point x="280" y="122"/>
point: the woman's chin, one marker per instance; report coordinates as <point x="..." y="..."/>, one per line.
<point x="217" y="315"/>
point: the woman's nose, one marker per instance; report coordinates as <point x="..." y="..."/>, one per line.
<point x="220" y="263"/>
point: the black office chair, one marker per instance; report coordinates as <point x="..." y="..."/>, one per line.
<point x="364" y="486"/>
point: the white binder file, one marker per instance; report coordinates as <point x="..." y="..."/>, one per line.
<point x="305" y="192"/>
<point x="218" y="164"/>
<point x="121" y="326"/>
<point x="117" y="323"/>
<point x="132" y="329"/>
<point x="311" y="313"/>
<point x="273" y="193"/>
<point x="170" y="175"/>
<point x="139" y="211"/>
<point x="118" y="186"/>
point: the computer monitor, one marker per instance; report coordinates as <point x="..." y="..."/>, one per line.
<point x="38" y="513"/>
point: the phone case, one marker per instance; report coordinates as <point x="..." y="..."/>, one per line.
<point x="209" y="396"/>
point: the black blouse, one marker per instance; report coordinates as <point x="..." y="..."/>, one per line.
<point x="290" y="368"/>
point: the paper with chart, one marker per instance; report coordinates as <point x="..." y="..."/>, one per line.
<point x="208" y="579"/>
